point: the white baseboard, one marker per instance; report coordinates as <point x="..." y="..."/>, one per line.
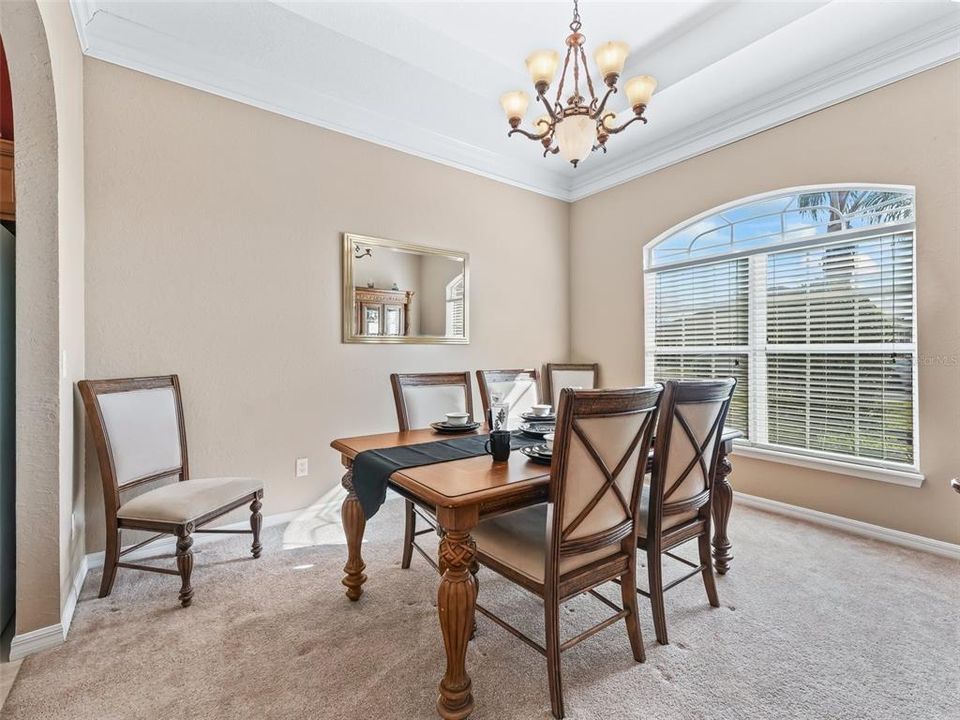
<point x="167" y="545"/>
<point x="75" y="587"/>
<point x="51" y="636"/>
<point x="855" y="527"/>
<point x="34" y="641"/>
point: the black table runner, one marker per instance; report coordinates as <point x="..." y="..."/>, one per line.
<point x="373" y="468"/>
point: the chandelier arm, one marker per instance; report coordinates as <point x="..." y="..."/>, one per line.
<point x="532" y="136"/>
<point x="552" y="150"/>
<point x="628" y="123"/>
<point x="550" y="109"/>
<point x="586" y="71"/>
<point x="603" y="103"/>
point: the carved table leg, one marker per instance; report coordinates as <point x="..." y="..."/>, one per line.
<point x="353" y="525"/>
<point x="456" y="604"/>
<point x="722" y="502"/>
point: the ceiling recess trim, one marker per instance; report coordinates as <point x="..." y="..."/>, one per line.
<point x="925" y="48"/>
<point x="922" y="49"/>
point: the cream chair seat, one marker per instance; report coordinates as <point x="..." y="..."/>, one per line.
<point x="518" y="540"/>
<point x="185" y="502"/>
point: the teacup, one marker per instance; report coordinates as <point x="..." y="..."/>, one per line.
<point x="548" y="439"/>
<point x="457" y="418"/>
<point x="541" y="410"/>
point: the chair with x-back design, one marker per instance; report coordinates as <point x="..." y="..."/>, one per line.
<point x="586" y="534"/>
<point x="675" y="508"/>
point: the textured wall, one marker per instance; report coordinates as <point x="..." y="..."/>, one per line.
<point x="906" y="133"/>
<point x="38" y="402"/>
<point x="213" y="251"/>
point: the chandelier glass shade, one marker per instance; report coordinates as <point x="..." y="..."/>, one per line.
<point x="576" y="125"/>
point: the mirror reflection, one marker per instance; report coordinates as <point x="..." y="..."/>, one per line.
<point x="398" y="292"/>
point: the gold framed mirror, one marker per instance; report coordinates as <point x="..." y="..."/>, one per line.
<point x="397" y="292"/>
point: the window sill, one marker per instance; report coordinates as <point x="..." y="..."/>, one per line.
<point x="897" y="477"/>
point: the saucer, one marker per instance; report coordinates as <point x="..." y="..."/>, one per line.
<point x="538" y="418"/>
<point x="538" y="454"/>
<point x="445" y="427"/>
<point x="538" y="429"/>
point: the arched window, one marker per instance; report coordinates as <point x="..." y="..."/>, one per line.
<point x="806" y="296"/>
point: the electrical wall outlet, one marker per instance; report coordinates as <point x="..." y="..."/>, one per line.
<point x="303" y="467"/>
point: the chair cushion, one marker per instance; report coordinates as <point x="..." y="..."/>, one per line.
<point x="518" y="540"/>
<point x="669" y="521"/>
<point x="182" y="502"/>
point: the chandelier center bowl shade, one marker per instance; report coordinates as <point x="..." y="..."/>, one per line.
<point x="578" y="124"/>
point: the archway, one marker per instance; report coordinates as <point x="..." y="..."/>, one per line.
<point x="38" y="413"/>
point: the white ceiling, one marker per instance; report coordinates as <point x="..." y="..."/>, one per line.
<point x="426" y="77"/>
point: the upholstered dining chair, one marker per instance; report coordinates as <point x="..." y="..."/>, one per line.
<point x="421" y="399"/>
<point x="137" y="426"/>
<point x="585" y="376"/>
<point x="587" y="532"/>
<point x="520" y="388"/>
<point x="675" y="507"/>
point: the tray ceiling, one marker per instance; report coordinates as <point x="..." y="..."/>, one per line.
<point x="426" y="78"/>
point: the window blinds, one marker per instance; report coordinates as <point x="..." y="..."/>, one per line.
<point x="840" y="348"/>
<point x="821" y="340"/>
<point x="701" y="319"/>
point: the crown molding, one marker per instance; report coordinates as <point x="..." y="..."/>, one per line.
<point x="154" y="53"/>
<point x="925" y="48"/>
<point x="157" y="54"/>
<point x="82" y="15"/>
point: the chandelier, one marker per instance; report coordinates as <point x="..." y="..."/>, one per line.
<point x="582" y="125"/>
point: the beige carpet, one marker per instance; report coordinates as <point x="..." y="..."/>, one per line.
<point x="813" y="624"/>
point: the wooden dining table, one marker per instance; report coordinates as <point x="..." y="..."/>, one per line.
<point x="460" y="493"/>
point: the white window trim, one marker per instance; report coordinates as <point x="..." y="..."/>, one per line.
<point x="910" y="477"/>
<point x="906" y="475"/>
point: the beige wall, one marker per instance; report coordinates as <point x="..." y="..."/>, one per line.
<point x="906" y="133"/>
<point x="213" y="251"/>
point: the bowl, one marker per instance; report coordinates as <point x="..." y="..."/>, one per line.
<point x="457" y="418"/>
<point x="541" y="410"/>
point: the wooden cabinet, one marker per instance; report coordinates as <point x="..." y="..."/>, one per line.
<point x="382" y="313"/>
<point x="7" y="204"/>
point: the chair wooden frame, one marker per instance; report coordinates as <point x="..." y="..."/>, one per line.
<point x="550" y="367"/>
<point x="659" y="542"/>
<point x="90" y="391"/>
<point x="398" y="381"/>
<point x="557" y="588"/>
<point x="485" y="377"/>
